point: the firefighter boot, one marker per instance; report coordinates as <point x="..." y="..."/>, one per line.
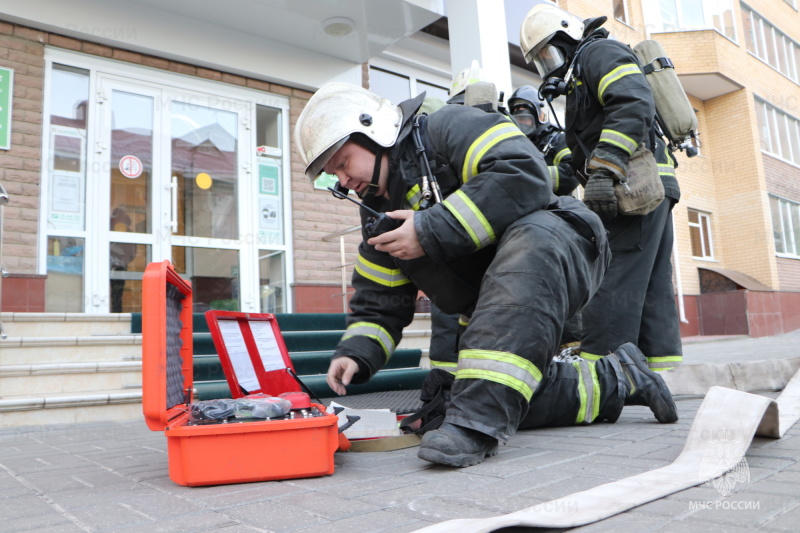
<point x="452" y="445"/>
<point x="645" y="386"/>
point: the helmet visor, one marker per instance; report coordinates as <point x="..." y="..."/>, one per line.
<point x="525" y="119"/>
<point x="315" y="167"/>
<point x="548" y="59"/>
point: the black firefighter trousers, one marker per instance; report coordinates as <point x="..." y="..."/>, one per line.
<point x="543" y="273"/>
<point x="636" y="301"/>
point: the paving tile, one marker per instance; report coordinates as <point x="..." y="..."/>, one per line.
<point x="435" y="509"/>
<point x="326" y="505"/>
<point x="274" y="516"/>
<point x="624" y="522"/>
<point x="786" y="520"/>
<point x="219" y="499"/>
<point x="44" y="522"/>
<point x="206" y="521"/>
<point x="374" y="522"/>
<point x="107" y="494"/>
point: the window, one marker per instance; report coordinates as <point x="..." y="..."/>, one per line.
<point x="792" y="3"/>
<point x="398" y="87"/>
<point x="785" y="226"/>
<point x="771" y="45"/>
<point x="621" y="11"/>
<point x="676" y="15"/>
<point x="700" y="233"/>
<point x="780" y="133"/>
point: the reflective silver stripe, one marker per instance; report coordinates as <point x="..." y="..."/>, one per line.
<point x="505" y="368"/>
<point x="619" y="72"/>
<point x="618" y="139"/>
<point x="666" y="170"/>
<point x="483" y="144"/>
<point x="389" y="277"/>
<point x="589" y="391"/>
<point x="561" y="155"/>
<point x="664" y="363"/>
<point x="554" y="177"/>
<point x="373" y="331"/>
<point x="471" y="218"/>
<point x="413" y="198"/>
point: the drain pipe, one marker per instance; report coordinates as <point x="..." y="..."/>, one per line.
<point x="3" y="273"/>
<point x="677" y="267"/>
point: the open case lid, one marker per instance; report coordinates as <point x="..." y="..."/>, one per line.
<point x="166" y="345"/>
<point x="252" y="352"/>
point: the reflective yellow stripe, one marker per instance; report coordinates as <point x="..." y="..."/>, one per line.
<point x="619" y="72"/>
<point x="388" y="277"/>
<point x="483" y="144"/>
<point x="618" y="139"/>
<point x="664" y="363"/>
<point x="471" y="218"/>
<point x="414" y="197"/>
<point x="590" y="356"/>
<point x="666" y="170"/>
<point x="500" y="367"/>
<point x="446" y="366"/>
<point x="373" y="331"/>
<point x="561" y="155"/>
<point x="554" y="177"/>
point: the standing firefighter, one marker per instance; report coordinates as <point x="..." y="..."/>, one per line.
<point x="530" y="114"/>
<point x="610" y="112"/>
<point x="490" y="242"/>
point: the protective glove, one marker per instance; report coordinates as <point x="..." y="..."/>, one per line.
<point x="599" y="193"/>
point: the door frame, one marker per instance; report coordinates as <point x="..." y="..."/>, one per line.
<point x="103" y="72"/>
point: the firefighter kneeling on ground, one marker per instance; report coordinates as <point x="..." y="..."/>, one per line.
<point x="487" y="239"/>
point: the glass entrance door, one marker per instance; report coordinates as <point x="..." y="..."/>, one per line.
<point x="204" y="200"/>
<point x="171" y="175"/>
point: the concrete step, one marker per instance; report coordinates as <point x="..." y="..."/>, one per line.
<point x="74" y="367"/>
<point x="57" y="378"/>
<point x="53" y="350"/>
<point x="64" y="324"/>
<point x="67" y="408"/>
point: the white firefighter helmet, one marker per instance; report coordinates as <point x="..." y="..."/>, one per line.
<point x="336" y="111"/>
<point x="541" y="24"/>
<point x="472" y="74"/>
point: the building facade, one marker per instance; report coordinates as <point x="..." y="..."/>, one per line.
<point x="140" y="133"/>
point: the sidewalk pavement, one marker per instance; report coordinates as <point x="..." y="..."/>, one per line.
<point x="112" y="476"/>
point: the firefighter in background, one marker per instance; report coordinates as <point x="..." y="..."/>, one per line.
<point x="609" y="112"/>
<point x="492" y="243"/>
<point x="531" y="115"/>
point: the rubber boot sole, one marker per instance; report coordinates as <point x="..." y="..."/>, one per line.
<point x="458" y="460"/>
<point x="662" y="405"/>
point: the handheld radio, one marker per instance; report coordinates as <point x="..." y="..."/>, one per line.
<point x="378" y="223"/>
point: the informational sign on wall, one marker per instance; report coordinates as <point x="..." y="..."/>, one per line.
<point x="6" y="94"/>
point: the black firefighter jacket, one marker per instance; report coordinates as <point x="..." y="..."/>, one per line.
<point x="490" y="175"/>
<point x="610" y="110"/>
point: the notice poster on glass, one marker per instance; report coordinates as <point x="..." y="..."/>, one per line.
<point x="237" y="354"/>
<point x="267" y="345"/>
<point x="66" y="206"/>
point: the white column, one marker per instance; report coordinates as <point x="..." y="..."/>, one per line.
<point x="478" y="32"/>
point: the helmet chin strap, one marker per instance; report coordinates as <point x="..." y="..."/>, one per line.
<point x="370" y="190"/>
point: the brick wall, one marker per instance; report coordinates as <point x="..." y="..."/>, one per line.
<point x="22" y="49"/>
<point x="315" y="213"/>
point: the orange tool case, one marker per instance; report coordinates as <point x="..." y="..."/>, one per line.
<point x="250" y="348"/>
